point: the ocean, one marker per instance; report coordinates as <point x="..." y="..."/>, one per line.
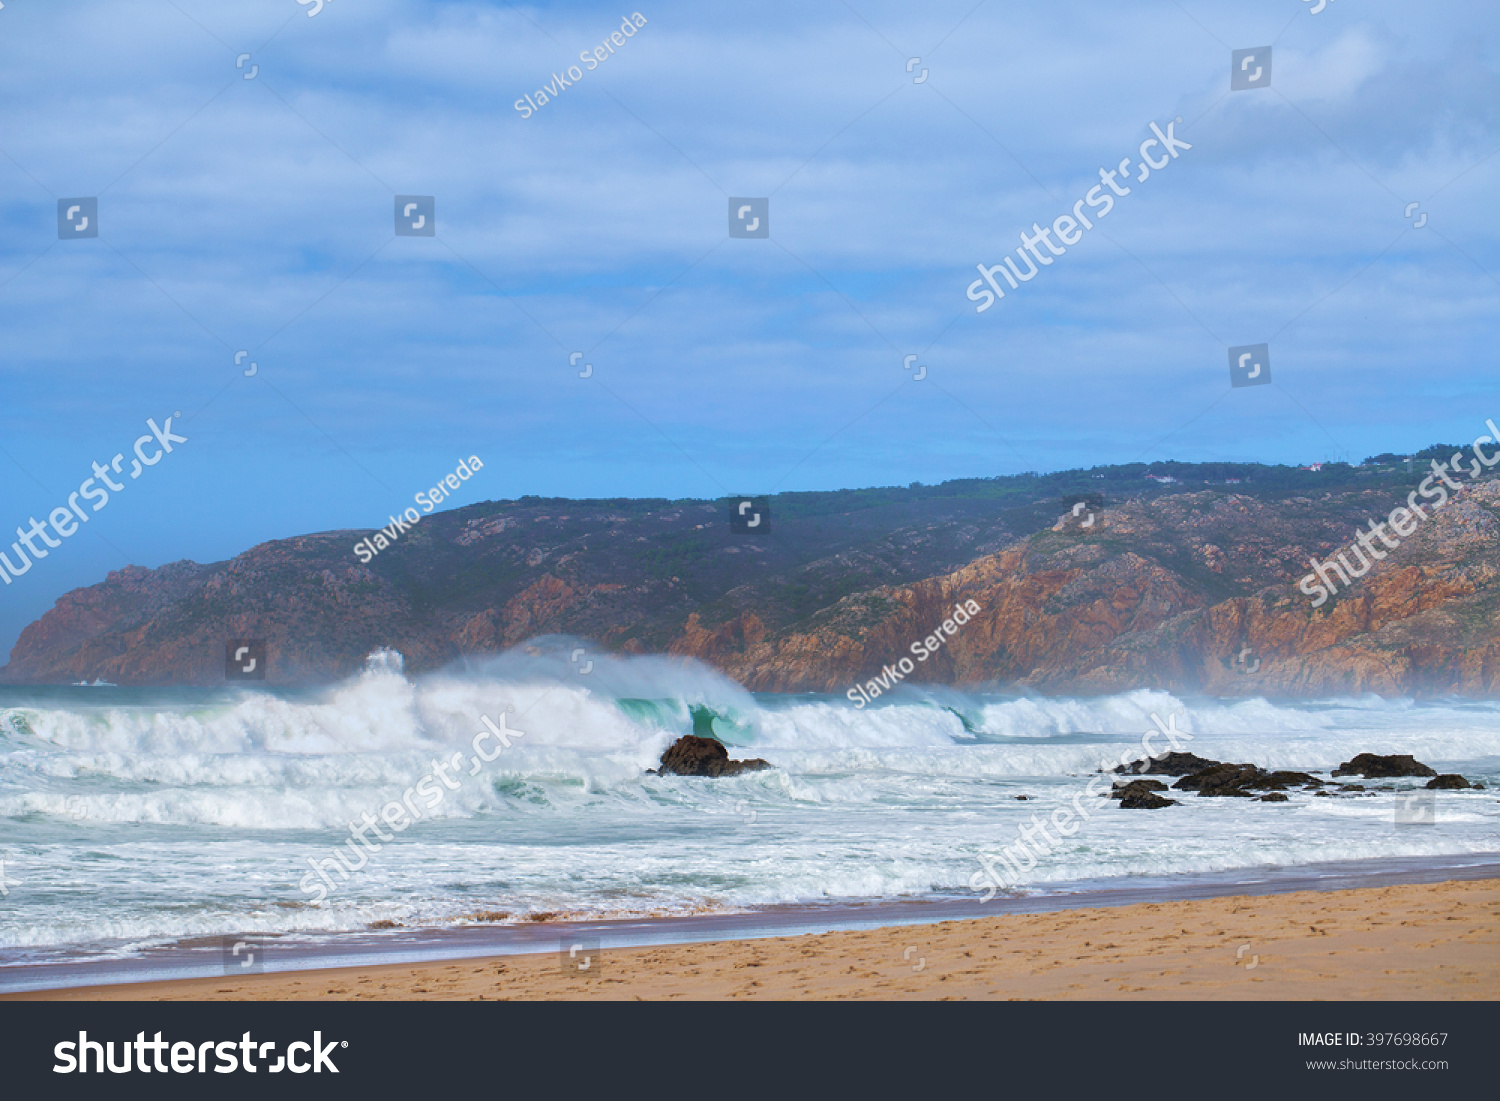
<point x="133" y="818"/>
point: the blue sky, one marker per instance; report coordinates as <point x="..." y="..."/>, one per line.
<point x="257" y="214"/>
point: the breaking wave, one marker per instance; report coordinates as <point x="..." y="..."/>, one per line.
<point x="128" y="816"/>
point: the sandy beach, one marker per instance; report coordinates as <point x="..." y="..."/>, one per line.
<point x="1421" y="941"/>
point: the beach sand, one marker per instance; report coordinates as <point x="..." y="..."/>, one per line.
<point x="1423" y="941"/>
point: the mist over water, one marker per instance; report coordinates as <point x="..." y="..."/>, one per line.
<point x="131" y="817"/>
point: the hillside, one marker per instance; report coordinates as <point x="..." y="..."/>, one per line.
<point x="1170" y="584"/>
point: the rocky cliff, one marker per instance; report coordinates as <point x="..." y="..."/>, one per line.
<point x="1191" y="593"/>
<point x="1186" y="590"/>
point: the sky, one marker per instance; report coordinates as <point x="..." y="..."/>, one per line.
<point x="581" y="317"/>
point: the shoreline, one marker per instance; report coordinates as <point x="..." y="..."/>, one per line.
<point x="1406" y="942"/>
<point x="204" y="959"/>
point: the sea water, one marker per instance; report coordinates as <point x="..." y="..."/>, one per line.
<point x="132" y="818"/>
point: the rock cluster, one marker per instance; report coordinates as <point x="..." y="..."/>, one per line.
<point x="1243" y="781"/>
<point x="1246" y="781"/>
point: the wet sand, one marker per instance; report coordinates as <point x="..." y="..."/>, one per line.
<point x="1416" y="941"/>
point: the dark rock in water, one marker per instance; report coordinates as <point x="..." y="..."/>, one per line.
<point x="1223" y="780"/>
<point x="1135" y="787"/>
<point x="1373" y="766"/>
<point x="1144" y="800"/>
<point x="1023" y="798"/>
<point x="1273" y="797"/>
<point x="1352" y="787"/>
<point x="1449" y="781"/>
<point x="1243" y="781"/>
<point x="1275" y="781"/>
<point x="1323" y="793"/>
<point x="1141" y="795"/>
<point x="691" y="755"/>
<point x="1168" y="764"/>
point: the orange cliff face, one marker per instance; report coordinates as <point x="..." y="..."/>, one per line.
<point x="1192" y="592"/>
<point x="1078" y="613"/>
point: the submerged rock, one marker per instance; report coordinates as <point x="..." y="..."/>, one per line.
<point x="1141" y="795"/>
<point x="1243" y="781"/>
<point x="1274" y="797"/>
<point x="1145" y="800"/>
<point x="1374" y="766"/>
<point x="1135" y="786"/>
<point x="1450" y="781"/>
<point x="1282" y="779"/>
<point x="1168" y="764"/>
<point x="1222" y="780"/>
<point x="691" y="755"/>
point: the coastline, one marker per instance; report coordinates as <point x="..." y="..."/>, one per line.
<point x="1408" y="942"/>
<point x="199" y="965"/>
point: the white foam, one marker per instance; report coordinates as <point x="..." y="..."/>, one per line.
<point x="132" y="824"/>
